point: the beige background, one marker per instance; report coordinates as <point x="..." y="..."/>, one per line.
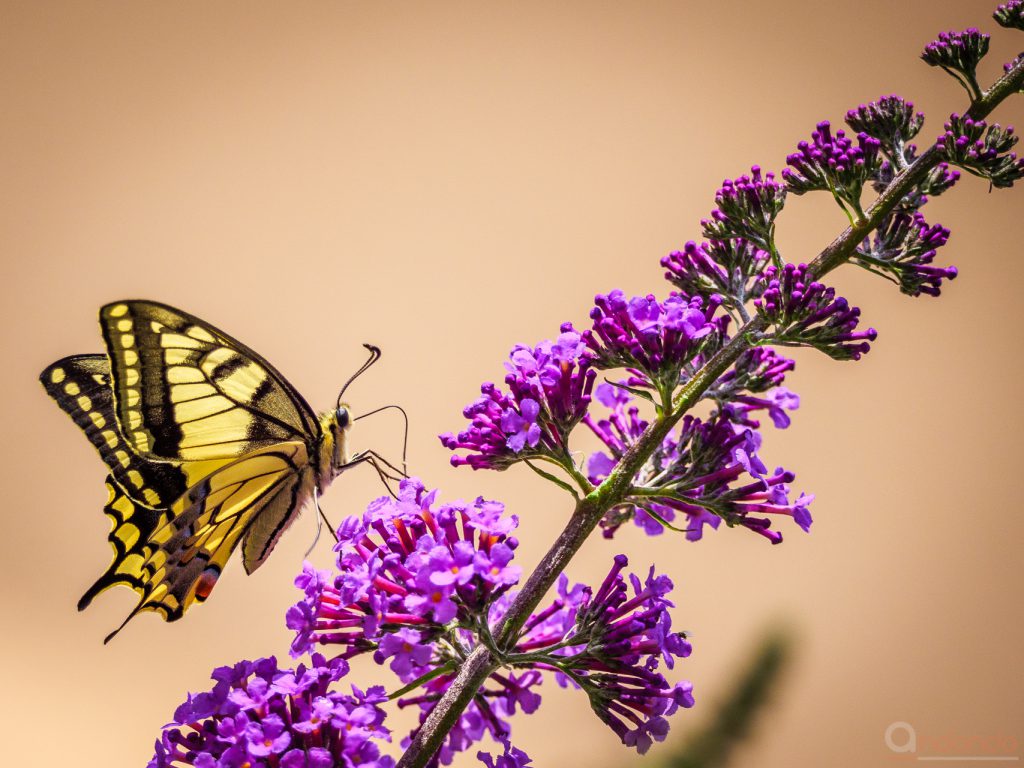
<point x="446" y="180"/>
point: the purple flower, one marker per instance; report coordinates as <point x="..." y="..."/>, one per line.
<point x="267" y="737"/>
<point x="275" y="727"/>
<point x="833" y="163"/>
<point x="958" y="54"/>
<point x="406" y="651"/>
<point x="722" y="268"/>
<point x="512" y="758"/>
<point x="804" y="312"/>
<point x="903" y="249"/>
<point x="406" y="568"/>
<point x="548" y="393"/>
<point x="982" y="150"/>
<point x="746" y="209"/>
<point x="652" y="339"/>
<point x="621" y="634"/>
<point x="758" y="369"/>
<point x="704" y="472"/>
<point x="892" y="120"/>
<point x="1010" y="14"/>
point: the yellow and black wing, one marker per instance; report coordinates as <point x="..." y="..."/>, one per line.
<point x="81" y="386"/>
<point x="252" y="500"/>
<point x="185" y="391"/>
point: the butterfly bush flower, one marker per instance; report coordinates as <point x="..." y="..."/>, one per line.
<point x="512" y="758"/>
<point x="405" y="570"/>
<point x="616" y="638"/>
<point x="757" y="370"/>
<point x="420" y="584"/>
<point x="892" y="120"/>
<point x="803" y="312"/>
<point x="958" y="54"/>
<point x="1010" y="14"/>
<point x="831" y="162"/>
<point x="652" y="339"/>
<point x="747" y="208"/>
<point x="724" y="268"/>
<point x="258" y="714"/>
<point x="706" y="471"/>
<point x="982" y="150"/>
<point x="903" y="249"/>
<point x="548" y="393"/>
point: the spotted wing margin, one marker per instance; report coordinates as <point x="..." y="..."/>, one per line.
<point x="81" y="386"/>
<point x="252" y="499"/>
<point x="185" y="390"/>
<point x="133" y="524"/>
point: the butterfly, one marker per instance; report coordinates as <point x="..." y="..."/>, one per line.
<point x="208" y="447"/>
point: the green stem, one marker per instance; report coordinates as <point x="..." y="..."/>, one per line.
<point x="592" y="507"/>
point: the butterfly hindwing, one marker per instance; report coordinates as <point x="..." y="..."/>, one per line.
<point x="133" y="523"/>
<point x="255" y="497"/>
<point x="81" y="386"/>
<point x="184" y="390"/>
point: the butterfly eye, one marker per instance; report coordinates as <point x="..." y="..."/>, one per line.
<point x="341" y="416"/>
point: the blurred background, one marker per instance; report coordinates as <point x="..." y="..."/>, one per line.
<point x="446" y="180"/>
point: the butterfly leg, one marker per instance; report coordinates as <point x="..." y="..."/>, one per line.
<point x="375" y="460"/>
<point x="321" y="518"/>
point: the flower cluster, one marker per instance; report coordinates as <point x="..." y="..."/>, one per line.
<point x="959" y="53"/>
<point x="1010" y="14"/>
<point x="892" y="120"/>
<point x="803" y="312"/>
<point x="548" y="393"/>
<point x="405" y="571"/>
<point x="833" y="163"/>
<point x="258" y="714"/>
<point x="612" y="650"/>
<point x="654" y="340"/>
<point x="903" y="249"/>
<point x="724" y="268"/>
<point x="707" y="470"/>
<point x="982" y="150"/>
<point x="758" y="369"/>
<point x="747" y="208"/>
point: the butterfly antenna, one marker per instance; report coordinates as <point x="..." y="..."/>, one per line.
<point x="405" y="436"/>
<point x="374" y="357"/>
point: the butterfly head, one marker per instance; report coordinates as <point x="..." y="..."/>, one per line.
<point x="337" y="426"/>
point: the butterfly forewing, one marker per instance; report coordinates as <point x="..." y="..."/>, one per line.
<point x="185" y="390"/>
<point x="81" y="386"/>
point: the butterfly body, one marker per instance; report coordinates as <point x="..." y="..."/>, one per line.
<point x="209" y="448"/>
